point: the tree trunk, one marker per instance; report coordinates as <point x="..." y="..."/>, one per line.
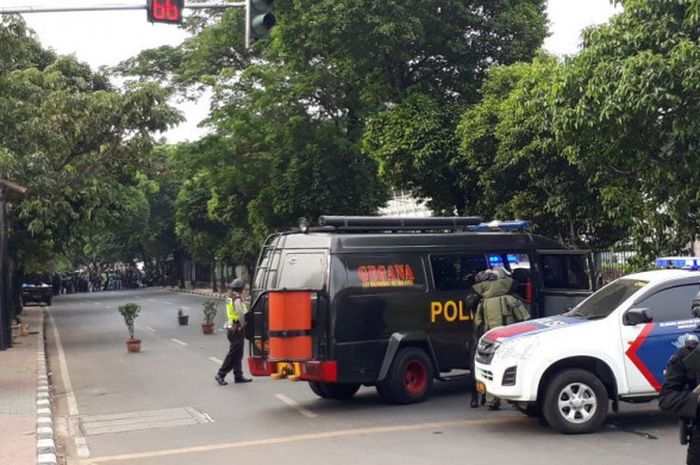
<point x="223" y="277"/>
<point x="213" y="276"/>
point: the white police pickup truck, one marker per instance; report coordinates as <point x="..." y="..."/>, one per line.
<point x="613" y="346"/>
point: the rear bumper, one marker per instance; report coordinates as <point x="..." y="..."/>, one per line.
<point x="310" y="370"/>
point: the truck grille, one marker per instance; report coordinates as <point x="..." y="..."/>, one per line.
<point x="486" y="374"/>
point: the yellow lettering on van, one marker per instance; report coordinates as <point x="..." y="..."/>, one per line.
<point x="450" y="311"/>
<point x="462" y="316"/>
<point x="435" y="310"/>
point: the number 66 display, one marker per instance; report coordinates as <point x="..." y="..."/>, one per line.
<point x="165" y="11"/>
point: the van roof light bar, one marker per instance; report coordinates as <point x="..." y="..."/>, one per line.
<point x="683" y="263"/>
<point x="391" y="223"/>
<point x="515" y="225"/>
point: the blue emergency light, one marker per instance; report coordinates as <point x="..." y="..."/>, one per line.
<point x="517" y="225"/>
<point x="683" y="263"/>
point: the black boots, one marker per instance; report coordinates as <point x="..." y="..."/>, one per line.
<point x="220" y="379"/>
<point x="242" y="379"/>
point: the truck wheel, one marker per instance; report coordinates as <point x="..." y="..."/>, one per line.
<point x="575" y="402"/>
<point x="410" y="377"/>
<point x="334" y="390"/>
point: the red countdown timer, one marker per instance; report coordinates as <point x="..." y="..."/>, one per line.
<point x="165" y="11"/>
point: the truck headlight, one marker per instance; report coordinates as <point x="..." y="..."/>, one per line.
<point x="520" y="348"/>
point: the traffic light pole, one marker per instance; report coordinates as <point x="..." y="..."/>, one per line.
<point x="69" y="9"/>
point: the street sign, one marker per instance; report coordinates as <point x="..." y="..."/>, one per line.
<point x="165" y="11"/>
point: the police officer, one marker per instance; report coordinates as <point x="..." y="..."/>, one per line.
<point x="497" y="308"/>
<point x="236" y="308"/>
<point x="680" y="393"/>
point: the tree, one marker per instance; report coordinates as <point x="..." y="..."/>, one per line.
<point x="509" y="142"/>
<point x="629" y="108"/>
<point x="76" y="142"/>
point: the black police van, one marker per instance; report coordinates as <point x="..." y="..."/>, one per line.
<point x="379" y="301"/>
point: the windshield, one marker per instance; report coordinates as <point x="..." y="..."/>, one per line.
<point x="602" y="303"/>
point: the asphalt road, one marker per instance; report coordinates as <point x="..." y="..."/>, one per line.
<point x="162" y="406"/>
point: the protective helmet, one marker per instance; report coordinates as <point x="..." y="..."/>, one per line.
<point x="237" y="284"/>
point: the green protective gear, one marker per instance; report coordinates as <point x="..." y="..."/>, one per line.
<point x="497" y="307"/>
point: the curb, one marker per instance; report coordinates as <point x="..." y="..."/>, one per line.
<point x="45" y="446"/>
<point x="198" y="292"/>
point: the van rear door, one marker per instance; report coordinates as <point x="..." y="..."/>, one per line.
<point x="566" y="277"/>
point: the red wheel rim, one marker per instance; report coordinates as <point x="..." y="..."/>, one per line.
<point x="415" y="377"/>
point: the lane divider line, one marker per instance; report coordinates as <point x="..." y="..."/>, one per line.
<point x="216" y="360"/>
<point x="148" y="328"/>
<point x="178" y="341"/>
<point x="312" y="437"/>
<point x="295" y="405"/>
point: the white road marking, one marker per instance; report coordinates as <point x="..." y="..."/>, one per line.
<point x="312" y="437"/>
<point x="82" y="448"/>
<point x="168" y="303"/>
<point x="148" y="328"/>
<point x="151" y="300"/>
<point x="185" y="308"/>
<point x="295" y="405"/>
<point x="216" y="360"/>
<point x="178" y="341"/>
<point x="98" y="303"/>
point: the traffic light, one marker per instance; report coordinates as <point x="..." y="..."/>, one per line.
<point x="165" y="11"/>
<point x="259" y="20"/>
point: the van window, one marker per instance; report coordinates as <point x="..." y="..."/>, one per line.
<point x="386" y="273"/>
<point x="457" y="271"/>
<point x="302" y="271"/>
<point x="565" y="271"/>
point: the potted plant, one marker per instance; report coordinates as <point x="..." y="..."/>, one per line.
<point x="130" y="312"/>
<point x="209" y="310"/>
<point x="182" y="317"/>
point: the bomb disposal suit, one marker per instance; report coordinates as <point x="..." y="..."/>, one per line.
<point x="612" y="346"/>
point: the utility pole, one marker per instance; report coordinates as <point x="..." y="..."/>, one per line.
<point x="5" y="286"/>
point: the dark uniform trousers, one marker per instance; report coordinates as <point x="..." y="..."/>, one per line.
<point x="677" y="394"/>
<point x="233" y="359"/>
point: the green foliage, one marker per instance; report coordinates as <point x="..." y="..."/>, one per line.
<point x="509" y="142"/>
<point x="79" y="145"/>
<point x="129" y="311"/>
<point x="629" y="109"/>
<point x="209" y="308"/>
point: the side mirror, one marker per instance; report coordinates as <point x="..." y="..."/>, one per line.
<point x="636" y="316"/>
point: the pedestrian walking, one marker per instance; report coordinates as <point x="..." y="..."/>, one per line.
<point x="680" y="393"/>
<point x="497" y="308"/>
<point x="236" y="308"/>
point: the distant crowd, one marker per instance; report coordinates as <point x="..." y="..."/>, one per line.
<point x="107" y="280"/>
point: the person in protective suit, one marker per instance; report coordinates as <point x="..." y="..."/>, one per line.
<point x="236" y="309"/>
<point x="680" y="393"/>
<point x="497" y="308"/>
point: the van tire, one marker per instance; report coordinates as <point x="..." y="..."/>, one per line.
<point x="334" y="390"/>
<point x="583" y="414"/>
<point x="409" y="379"/>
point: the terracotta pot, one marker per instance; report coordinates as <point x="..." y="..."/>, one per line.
<point x="208" y="328"/>
<point x="133" y="345"/>
<point x="182" y="320"/>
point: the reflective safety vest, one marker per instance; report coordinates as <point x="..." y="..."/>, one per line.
<point x="232" y="312"/>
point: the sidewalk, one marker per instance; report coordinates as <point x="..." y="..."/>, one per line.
<point x="19" y="372"/>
